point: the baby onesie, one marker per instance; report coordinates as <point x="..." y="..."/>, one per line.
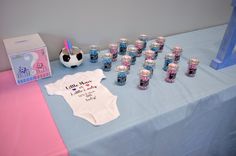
<point x="87" y="97"/>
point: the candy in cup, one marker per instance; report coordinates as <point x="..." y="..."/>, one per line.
<point x="107" y="61"/>
<point x="121" y="75"/>
<point x="144" y="76"/>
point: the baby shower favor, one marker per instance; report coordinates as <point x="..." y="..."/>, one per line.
<point x="93" y="53"/>
<point x="149" y="65"/>
<point x="144" y="79"/>
<point x="107" y="61"/>
<point x="143" y="38"/>
<point x="121" y="75"/>
<point x="169" y="58"/>
<point x="28" y="57"/>
<point x="139" y="46"/>
<point x="132" y="52"/>
<point x="171" y="72"/>
<point x="155" y="47"/>
<point x="126" y="61"/>
<point x="192" y="67"/>
<point x="149" y="54"/>
<point x="161" y="40"/>
<point x="177" y="53"/>
<point x="113" y="48"/>
<point x="123" y="46"/>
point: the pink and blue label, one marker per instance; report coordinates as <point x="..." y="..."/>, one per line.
<point x="30" y="66"/>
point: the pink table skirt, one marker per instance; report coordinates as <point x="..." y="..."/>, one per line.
<point x="27" y="128"/>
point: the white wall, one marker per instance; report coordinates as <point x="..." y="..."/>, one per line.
<point x="104" y="21"/>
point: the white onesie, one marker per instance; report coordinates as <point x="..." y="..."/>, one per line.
<point x="87" y="97"/>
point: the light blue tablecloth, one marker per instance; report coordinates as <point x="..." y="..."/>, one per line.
<point x="193" y="116"/>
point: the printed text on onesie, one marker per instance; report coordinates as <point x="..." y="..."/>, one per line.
<point x="87" y="97"/>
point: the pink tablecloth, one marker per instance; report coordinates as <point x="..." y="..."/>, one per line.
<point x="26" y="126"/>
